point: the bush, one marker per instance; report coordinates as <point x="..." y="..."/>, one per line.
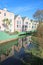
<point x="16" y="32"/>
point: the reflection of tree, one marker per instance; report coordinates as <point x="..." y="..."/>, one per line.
<point x="22" y="42"/>
<point x="6" y="23"/>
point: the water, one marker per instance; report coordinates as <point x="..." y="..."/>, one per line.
<point x="19" y="54"/>
<point x="23" y="44"/>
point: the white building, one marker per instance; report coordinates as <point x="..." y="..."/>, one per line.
<point x="18" y="23"/>
<point x="34" y="25"/>
<point x="27" y="25"/>
<point x="4" y="14"/>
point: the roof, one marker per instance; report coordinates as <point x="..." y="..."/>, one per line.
<point x="15" y="16"/>
<point x="7" y="10"/>
<point x="23" y="18"/>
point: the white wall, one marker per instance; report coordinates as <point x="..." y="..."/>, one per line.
<point x="19" y="19"/>
<point x="28" y="24"/>
<point x="9" y="16"/>
<point x="34" y="24"/>
<point x="13" y="27"/>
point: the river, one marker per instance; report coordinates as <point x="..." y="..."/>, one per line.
<point x="20" y="56"/>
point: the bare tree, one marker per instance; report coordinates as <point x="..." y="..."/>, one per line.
<point x="38" y="15"/>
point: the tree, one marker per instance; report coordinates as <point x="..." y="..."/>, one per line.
<point x="6" y="23"/>
<point x="38" y="15"/>
<point x="40" y="30"/>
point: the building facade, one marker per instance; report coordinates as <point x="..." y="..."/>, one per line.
<point x="10" y="22"/>
<point x="18" y="23"/>
<point x="34" y="25"/>
<point x="27" y="24"/>
<point x="6" y="16"/>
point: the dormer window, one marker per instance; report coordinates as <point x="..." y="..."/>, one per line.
<point x="0" y="12"/>
<point x="0" y="27"/>
<point x="26" y="22"/>
<point x="4" y="14"/>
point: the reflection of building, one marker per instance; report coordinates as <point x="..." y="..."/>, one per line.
<point x="17" y="23"/>
<point x="4" y="14"/>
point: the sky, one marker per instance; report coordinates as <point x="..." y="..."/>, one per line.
<point x="22" y="7"/>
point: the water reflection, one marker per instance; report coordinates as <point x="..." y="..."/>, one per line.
<point x="24" y="41"/>
<point x="19" y="53"/>
<point x="22" y="45"/>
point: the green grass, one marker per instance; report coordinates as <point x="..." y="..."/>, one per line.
<point x="6" y="36"/>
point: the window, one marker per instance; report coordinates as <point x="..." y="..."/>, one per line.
<point x="18" y="22"/>
<point x="0" y="12"/>
<point x="26" y="22"/>
<point x="4" y="14"/>
<point x="10" y="20"/>
<point x="32" y="27"/>
<point x="0" y="27"/>
<point x="17" y="26"/>
<point x="26" y="26"/>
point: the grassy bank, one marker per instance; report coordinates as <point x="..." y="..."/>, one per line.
<point x="39" y="42"/>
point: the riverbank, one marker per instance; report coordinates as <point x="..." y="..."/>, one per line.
<point x="39" y="42"/>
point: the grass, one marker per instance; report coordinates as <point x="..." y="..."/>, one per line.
<point x="39" y="42"/>
<point x="5" y="36"/>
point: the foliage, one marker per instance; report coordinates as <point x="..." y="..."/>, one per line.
<point x="39" y="41"/>
<point x="13" y="33"/>
<point x="40" y="30"/>
<point x="38" y="38"/>
<point x="16" y="32"/>
<point x="38" y="15"/>
<point x="6" y="23"/>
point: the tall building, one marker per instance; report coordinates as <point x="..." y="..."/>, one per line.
<point x="6" y="20"/>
